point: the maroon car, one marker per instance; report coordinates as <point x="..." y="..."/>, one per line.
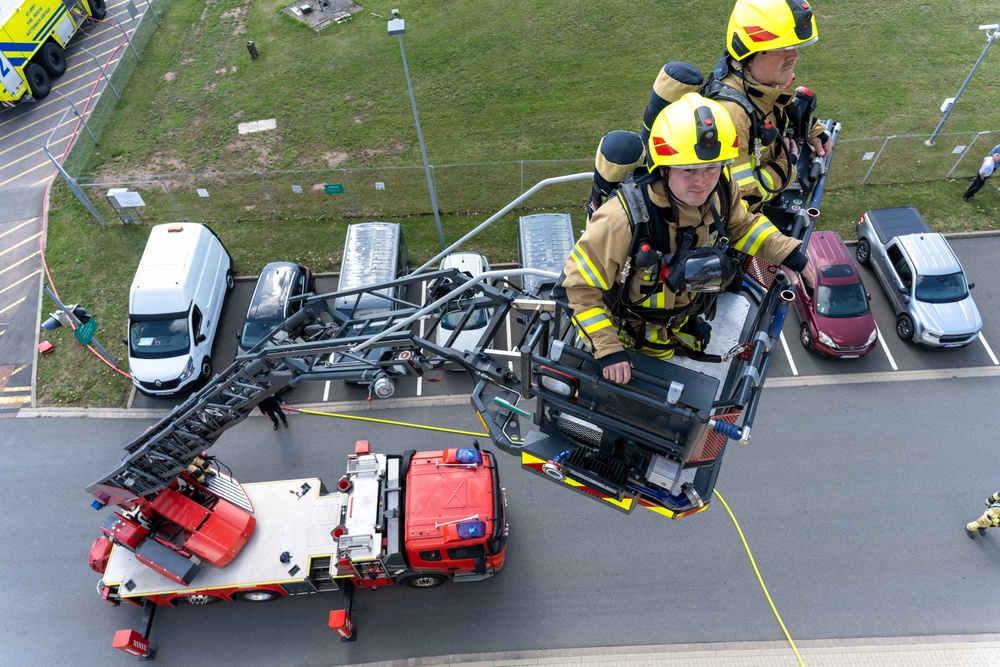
<point x="836" y="319"/>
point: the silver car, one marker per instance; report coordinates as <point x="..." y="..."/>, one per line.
<point x="922" y="277"/>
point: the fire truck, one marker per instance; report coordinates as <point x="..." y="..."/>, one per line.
<point x="657" y="442"/>
<point x="34" y="36"/>
<point x="419" y="520"/>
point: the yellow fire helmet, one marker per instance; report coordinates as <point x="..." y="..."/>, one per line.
<point x="769" y="25"/>
<point x="694" y="132"/>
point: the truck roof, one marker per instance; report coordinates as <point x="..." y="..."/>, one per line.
<point x="889" y="222"/>
<point x="930" y="253"/>
<point x="370" y="251"/>
<point x="545" y="241"/>
<point x="441" y="492"/>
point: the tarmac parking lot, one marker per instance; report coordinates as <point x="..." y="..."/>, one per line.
<point x="791" y="363"/>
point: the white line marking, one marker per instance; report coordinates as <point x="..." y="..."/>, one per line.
<point x="788" y="353"/>
<point x="885" y="348"/>
<point x="989" y="350"/>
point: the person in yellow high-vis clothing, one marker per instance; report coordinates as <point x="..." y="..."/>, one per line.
<point x="989" y="519"/>
<point x="642" y="280"/>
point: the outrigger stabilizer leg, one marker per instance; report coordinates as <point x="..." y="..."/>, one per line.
<point x="340" y="619"/>
<point x="136" y="642"/>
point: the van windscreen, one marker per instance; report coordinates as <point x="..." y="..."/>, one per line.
<point x="159" y="338"/>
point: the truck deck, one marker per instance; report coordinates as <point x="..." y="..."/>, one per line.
<point x="292" y="515"/>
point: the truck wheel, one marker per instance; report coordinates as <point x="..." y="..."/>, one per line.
<point x="805" y="336"/>
<point x="230" y="281"/>
<point x="864" y="251"/>
<point x="53" y="59"/>
<point x="98" y="10"/>
<point x="426" y="580"/>
<point x="38" y="80"/>
<point x="904" y="327"/>
<point x="256" y="596"/>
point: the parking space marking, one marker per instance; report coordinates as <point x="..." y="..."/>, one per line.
<point x="885" y="348"/>
<point x="897" y="376"/>
<point x="989" y="350"/>
<point x="420" y="330"/>
<point x="326" y="391"/>
<point x="788" y="353"/>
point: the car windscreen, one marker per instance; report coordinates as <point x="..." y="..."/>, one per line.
<point x="945" y="288"/>
<point x="477" y="320"/>
<point x="841" y="300"/>
<point x="253" y="332"/>
<point x="159" y="338"/>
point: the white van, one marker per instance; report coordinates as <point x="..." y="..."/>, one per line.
<point x="174" y="307"/>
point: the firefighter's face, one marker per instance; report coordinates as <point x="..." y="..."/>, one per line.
<point x="693" y="186"/>
<point x="774" y="68"/>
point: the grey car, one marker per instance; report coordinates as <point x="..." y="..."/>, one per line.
<point x="273" y="300"/>
<point x="922" y="277"/>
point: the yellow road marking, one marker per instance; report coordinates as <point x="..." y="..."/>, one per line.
<point x="4" y="310"/>
<point x="14" y="229"/>
<point x="21" y="261"/>
<point x="15" y="400"/>
<point x="17" y="245"/>
<point x="13" y="285"/>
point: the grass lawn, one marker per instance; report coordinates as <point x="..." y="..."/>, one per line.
<point x="494" y="82"/>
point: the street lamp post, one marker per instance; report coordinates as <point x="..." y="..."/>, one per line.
<point x="950" y="104"/>
<point x="397" y="26"/>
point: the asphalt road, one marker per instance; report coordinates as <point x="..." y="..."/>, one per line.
<point x="853" y="499"/>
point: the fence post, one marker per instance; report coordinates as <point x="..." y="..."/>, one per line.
<point x="171" y="197"/>
<point x="350" y="190"/>
<point x="875" y="161"/>
<point x="964" y="153"/>
<point x="268" y="192"/>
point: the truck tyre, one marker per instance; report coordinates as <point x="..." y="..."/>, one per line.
<point x="864" y="251"/>
<point x="256" y="596"/>
<point x="38" y="80"/>
<point x="98" y="10"/>
<point x="230" y="281"/>
<point x="53" y="59"/>
<point x="426" y="580"/>
<point x="904" y="327"/>
<point x="805" y="336"/>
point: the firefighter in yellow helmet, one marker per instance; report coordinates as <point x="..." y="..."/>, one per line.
<point x="653" y="256"/>
<point x="989" y="519"/>
<point x="762" y="41"/>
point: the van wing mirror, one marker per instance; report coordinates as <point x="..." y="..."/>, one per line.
<point x="972" y="285"/>
<point x="201" y="338"/>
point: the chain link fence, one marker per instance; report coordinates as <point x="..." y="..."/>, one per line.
<point x="481" y="188"/>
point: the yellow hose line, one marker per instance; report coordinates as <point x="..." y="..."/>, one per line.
<point x="760" y="579"/>
<point x="386" y="421"/>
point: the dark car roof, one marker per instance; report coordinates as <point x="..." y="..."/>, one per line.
<point x="832" y="259"/>
<point x="273" y="290"/>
